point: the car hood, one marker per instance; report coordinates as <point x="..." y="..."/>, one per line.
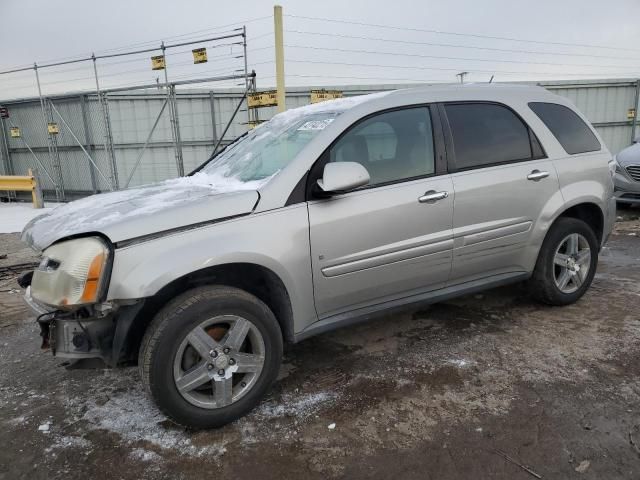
<point x="146" y="210"/>
<point x="629" y="156"/>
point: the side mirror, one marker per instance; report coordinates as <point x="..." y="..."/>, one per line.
<point x="342" y="177"/>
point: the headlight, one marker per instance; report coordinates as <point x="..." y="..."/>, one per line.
<point x="619" y="169"/>
<point x="71" y="273"/>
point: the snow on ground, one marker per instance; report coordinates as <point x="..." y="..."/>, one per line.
<point x="14" y="216"/>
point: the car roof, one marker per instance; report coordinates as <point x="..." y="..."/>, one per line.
<point x="499" y="92"/>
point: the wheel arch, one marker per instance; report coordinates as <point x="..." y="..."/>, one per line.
<point x="587" y="211"/>
<point x="253" y="278"/>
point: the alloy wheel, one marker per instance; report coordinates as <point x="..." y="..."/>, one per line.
<point x="572" y="261"/>
<point x="219" y="361"/>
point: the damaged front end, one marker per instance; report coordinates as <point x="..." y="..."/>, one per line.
<point x="67" y="292"/>
<point x="99" y="331"/>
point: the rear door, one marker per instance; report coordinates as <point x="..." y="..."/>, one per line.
<point x="392" y="238"/>
<point x="502" y="181"/>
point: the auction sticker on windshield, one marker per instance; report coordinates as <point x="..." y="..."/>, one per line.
<point x="316" y="124"/>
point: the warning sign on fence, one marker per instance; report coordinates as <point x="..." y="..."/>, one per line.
<point x="323" y="95"/>
<point x="157" y="62"/>
<point x="631" y="113"/>
<point x="262" y="99"/>
<point x="53" y="128"/>
<point x="15" y="132"/>
<point x="199" y="55"/>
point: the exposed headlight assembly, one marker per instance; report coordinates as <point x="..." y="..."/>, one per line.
<point x="619" y="169"/>
<point x="72" y="273"/>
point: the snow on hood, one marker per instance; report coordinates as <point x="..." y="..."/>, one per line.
<point x="132" y="213"/>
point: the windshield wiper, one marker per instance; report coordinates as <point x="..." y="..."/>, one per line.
<point x="206" y="162"/>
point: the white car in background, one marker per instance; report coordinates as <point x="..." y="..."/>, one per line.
<point x="627" y="176"/>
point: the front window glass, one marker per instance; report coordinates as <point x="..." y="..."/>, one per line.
<point x="269" y="148"/>
<point x="392" y="146"/>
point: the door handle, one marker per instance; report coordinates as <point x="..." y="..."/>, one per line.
<point x="432" y="196"/>
<point x="536" y="175"/>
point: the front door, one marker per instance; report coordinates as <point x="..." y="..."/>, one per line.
<point x="392" y="238"/>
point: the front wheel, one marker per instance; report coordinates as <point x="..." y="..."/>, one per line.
<point x="209" y="356"/>
<point x="566" y="263"/>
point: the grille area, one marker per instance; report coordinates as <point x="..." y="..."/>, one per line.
<point x="634" y="172"/>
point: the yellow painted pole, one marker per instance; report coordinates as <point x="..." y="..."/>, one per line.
<point x="279" y="45"/>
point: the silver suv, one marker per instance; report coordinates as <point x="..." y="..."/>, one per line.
<point x="324" y="216"/>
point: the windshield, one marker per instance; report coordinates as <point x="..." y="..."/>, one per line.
<point x="268" y="148"/>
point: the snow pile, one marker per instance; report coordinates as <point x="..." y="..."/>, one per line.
<point x="296" y="405"/>
<point x="460" y="362"/>
<point x="14" y="216"/>
<point x="71" y="442"/>
<point x="132" y="416"/>
<point x="145" y="455"/>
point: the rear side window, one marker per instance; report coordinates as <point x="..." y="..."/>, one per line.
<point x="573" y="134"/>
<point x="488" y="134"/>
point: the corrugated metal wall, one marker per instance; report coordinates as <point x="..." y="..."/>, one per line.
<point x="202" y="117"/>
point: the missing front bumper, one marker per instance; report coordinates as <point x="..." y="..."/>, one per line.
<point x="74" y="336"/>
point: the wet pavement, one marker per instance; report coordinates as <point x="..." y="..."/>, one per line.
<point x="486" y="386"/>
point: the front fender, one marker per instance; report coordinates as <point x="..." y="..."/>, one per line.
<point x="277" y="240"/>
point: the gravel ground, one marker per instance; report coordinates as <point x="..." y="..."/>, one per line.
<point x="486" y="386"/>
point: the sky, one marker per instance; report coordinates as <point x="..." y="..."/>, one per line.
<point x="326" y="43"/>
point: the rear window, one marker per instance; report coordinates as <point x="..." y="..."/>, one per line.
<point x="487" y="134"/>
<point x="574" y="135"/>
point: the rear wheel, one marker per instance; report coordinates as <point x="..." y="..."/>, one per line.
<point x="566" y="264"/>
<point x="210" y="355"/>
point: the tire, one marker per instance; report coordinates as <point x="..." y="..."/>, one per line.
<point x="173" y="330"/>
<point x="543" y="283"/>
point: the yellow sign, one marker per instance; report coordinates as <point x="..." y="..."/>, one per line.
<point x="53" y="128"/>
<point x="199" y="55"/>
<point x="262" y="99"/>
<point x="631" y="113"/>
<point x="324" y="95"/>
<point x="157" y="62"/>
<point x="15" y="132"/>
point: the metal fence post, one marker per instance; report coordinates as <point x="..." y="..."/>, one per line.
<point x="212" y="101"/>
<point x="635" y="112"/>
<point x="6" y="154"/>
<point x="58" y="186"/>
<point x="173" y="116"/>
<point x="108" y="137"/>
<point x="178" y="138"/>
<point x="247" y="82"/>
<point x="56" y="164"/>
<point x="279" y="46"/>
<point x="87" y="140"/>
